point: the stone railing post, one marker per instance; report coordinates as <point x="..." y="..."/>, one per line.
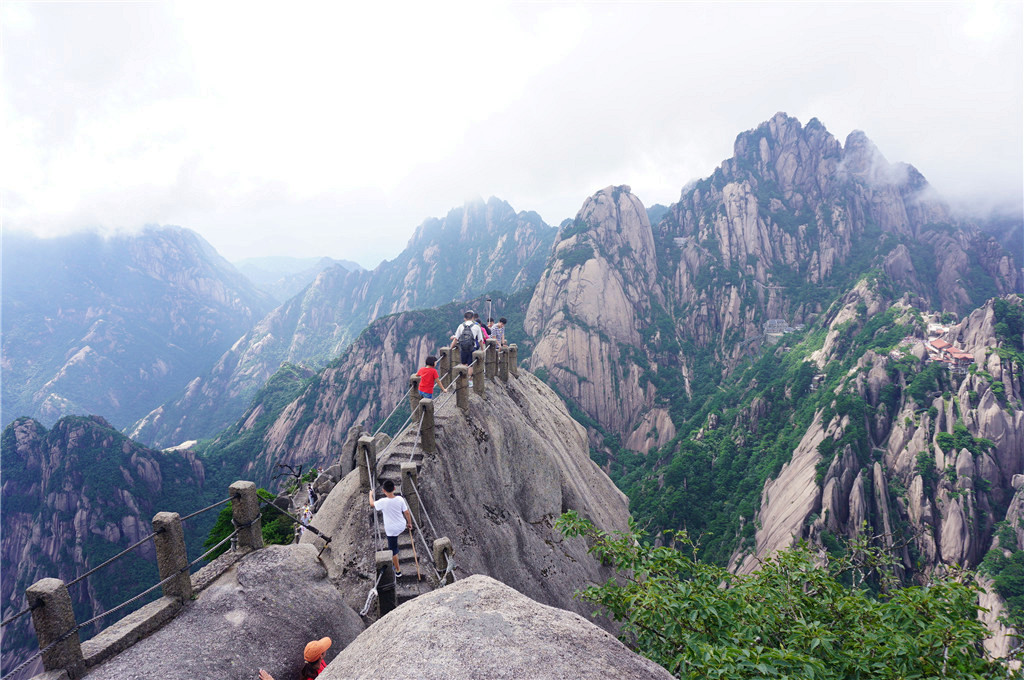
<point x="366" y="449"/>
<point x="513" y="360"/>
<point x="245" y="514"/>
<point x="52" y="617"/>
<point x="479" y="381"/>
<point x="492" y="358"/>
<point x="446" y="364"/>
<point x="386" y="596"/>
<point x="414" y="392"/>
<point x="462" y="387"/>
<point x="409" y="491"/>
<point x="171" y="556"/>
<point x="427" y="440"/>
<point x="503" y="364"/>
<point x="443" y="551"/>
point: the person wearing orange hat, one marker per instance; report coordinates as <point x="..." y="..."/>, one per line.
<point x="314" y="656"/>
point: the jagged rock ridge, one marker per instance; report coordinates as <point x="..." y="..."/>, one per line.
<point x="626" y="312"/>
<point x="477" y="248"/>
<point x="945" y="465"/>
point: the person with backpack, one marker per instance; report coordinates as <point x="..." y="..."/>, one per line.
<point x="468" y="337"/>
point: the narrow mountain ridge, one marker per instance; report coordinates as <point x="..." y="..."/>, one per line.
<point x="477" y="248"/>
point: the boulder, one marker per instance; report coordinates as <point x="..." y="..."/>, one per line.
<point x="481" y="628"/>
<point x="258" y="614"/>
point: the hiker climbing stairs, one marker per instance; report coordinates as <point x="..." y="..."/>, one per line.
<point x="422" y="565"/>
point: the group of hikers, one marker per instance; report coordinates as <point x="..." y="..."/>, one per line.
<point x="470" y="336"/>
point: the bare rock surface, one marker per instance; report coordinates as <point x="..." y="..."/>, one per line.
<point x="259" y="614"/>
<point x="503" y="473"/>
<point x="480" y="628"/>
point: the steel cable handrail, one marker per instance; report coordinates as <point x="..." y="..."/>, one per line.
<point x="423" y="507"/>
<point x="371" y="473"/>
<point x="116" y="557"/>
<point x="419" y="434"/>
<point x="210" y="507"/>
<point x="15" y="617"/>
<point x="385" y="421"/>
<point x="430" y="553"/>
<point x="124" y="604"/>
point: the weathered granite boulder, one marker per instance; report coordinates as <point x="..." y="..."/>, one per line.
<point x="480" y="628"/>
<point x="258" y="614"/>
<point x="502" y="474"/>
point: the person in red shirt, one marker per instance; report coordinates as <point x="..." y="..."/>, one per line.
<point x="428" y="377"/>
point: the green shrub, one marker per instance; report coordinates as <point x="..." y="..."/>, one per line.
<point x="790" y="619"/>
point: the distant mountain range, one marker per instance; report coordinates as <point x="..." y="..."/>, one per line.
<point x="283" y="277"/>
<point x="115" y="325"/>
<point x="479" y="247"/>
<point x="650" y="323"/>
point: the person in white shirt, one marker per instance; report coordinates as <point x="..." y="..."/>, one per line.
<point x="393" y="508"/>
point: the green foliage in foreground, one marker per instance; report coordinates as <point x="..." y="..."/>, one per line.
<point x="791" y="619"/>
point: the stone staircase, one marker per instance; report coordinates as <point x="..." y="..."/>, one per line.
<point x="406" y="449"/>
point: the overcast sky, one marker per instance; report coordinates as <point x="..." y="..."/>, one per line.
<point x="336" y="128"/>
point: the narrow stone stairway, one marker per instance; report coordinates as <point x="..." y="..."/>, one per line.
<point x="406" y="449"/>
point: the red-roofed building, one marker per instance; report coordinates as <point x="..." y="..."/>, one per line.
<point x="940" y="344"/>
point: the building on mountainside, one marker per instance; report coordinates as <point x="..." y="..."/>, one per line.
<point x="955" y="358"/>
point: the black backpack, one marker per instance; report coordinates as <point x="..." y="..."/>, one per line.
<point x="467" y="342"/>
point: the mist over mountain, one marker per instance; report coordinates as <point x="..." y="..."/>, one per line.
<point x="283" y="277"/>
<point x="750" y="364"/>
<point x="479" y="247"/>
<point x="633" y="322"/>
<point x="115" y="325"/>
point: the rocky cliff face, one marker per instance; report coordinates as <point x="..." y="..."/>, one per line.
<point x="940" y="464"/>
<point x="592" y="304"/>
<point x="115" y="326"/>
<point x="75" y="495"/>
<point x="503" y="473"/>
<point x="477" y="248"/>
<point x="628" y="318"/>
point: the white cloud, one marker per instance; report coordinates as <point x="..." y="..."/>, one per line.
<point x="334" y="128"/>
